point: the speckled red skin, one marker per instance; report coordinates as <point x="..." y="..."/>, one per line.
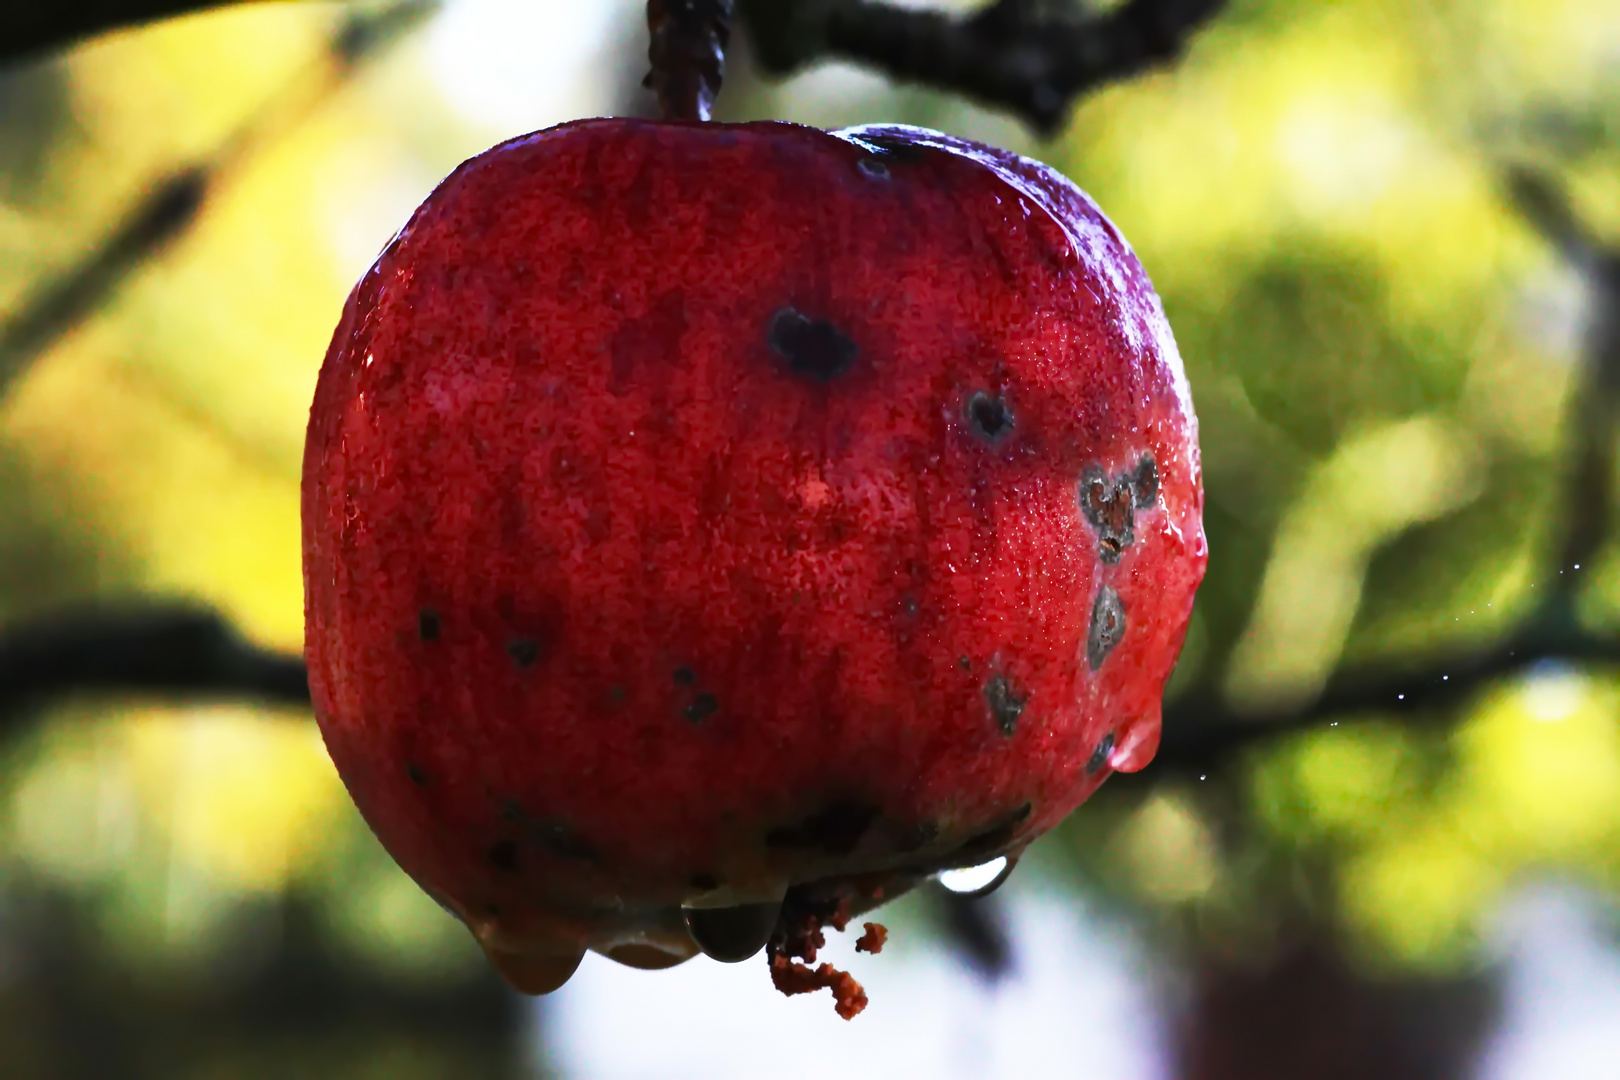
<point x="553" y="414"/>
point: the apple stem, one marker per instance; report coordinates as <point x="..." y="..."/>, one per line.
<point x="688" y="55"/>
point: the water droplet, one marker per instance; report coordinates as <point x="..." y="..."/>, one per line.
<point x="978" y="880"/>
<point x="1136" y="743"/>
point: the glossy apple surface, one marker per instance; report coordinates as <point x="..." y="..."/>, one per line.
<point x="694" y="511"/>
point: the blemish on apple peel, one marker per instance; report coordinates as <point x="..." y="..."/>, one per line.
<point x="1107" y="626"/>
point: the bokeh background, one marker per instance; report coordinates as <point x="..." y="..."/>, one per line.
<point x="1386" y="344"/>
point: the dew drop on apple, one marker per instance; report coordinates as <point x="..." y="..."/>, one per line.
<point x="978" y="880"/>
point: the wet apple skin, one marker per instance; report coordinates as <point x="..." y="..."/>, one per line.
<point x="664" y="543"/>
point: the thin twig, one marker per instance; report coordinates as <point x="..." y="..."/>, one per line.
<point x="149" y="227"/>
<point x="1014" y="55"/>
<point x="175" y="202"/>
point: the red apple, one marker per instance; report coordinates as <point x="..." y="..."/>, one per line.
<point x="696" y="512"/>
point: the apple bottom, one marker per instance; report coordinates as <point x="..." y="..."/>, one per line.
<point x="538" y="951"/>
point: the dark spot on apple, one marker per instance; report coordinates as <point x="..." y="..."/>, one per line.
<point x="964" y="663"/>
<point x="703" y="706"/>
<point x="835" y="830"/>
<point x="1107" y="626"/>
<point x="1145" y="483"/>
<point x="553" y="836"/>
<point x="1006" y="705"/>
<point x="532" y="628"/>
<point x="704" y="882"/>
<point x="523" y="651"/>
<point x="685" y="676"/>
<point x="989" y="416"/>
<point x="427" y="624"/>
<point x="418" y="777"/>
<point x="813" y="348"/>
<point x="1109" y="504"/>
<point x="503" y="856"/>
<point x="992" y="839"/>
<point x="1099" y="756"/>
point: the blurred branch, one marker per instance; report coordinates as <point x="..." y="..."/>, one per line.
<point x="183" y="651"/>
<point x="177" y="651"/>
<point x="977" y="927"/>
<point x="1545" y="207"/>
<point x="1594" y="401"/>
<point x="1033" y="57"/>
<point x="28" y="27"/>
<point x="176" y="201"/>
<point x="1201" y="732"/>
<point x="147" y="229"/>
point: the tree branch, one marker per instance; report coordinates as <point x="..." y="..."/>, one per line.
<point x="148" y="228"/>
<point x="1201" y="732"/>
<point x="31" y="27"/>
<point x="170" y="651"/>
<point x="1013" y="55"/>
<point x="176" y="201"/>
<point x="1594" y="401"/>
